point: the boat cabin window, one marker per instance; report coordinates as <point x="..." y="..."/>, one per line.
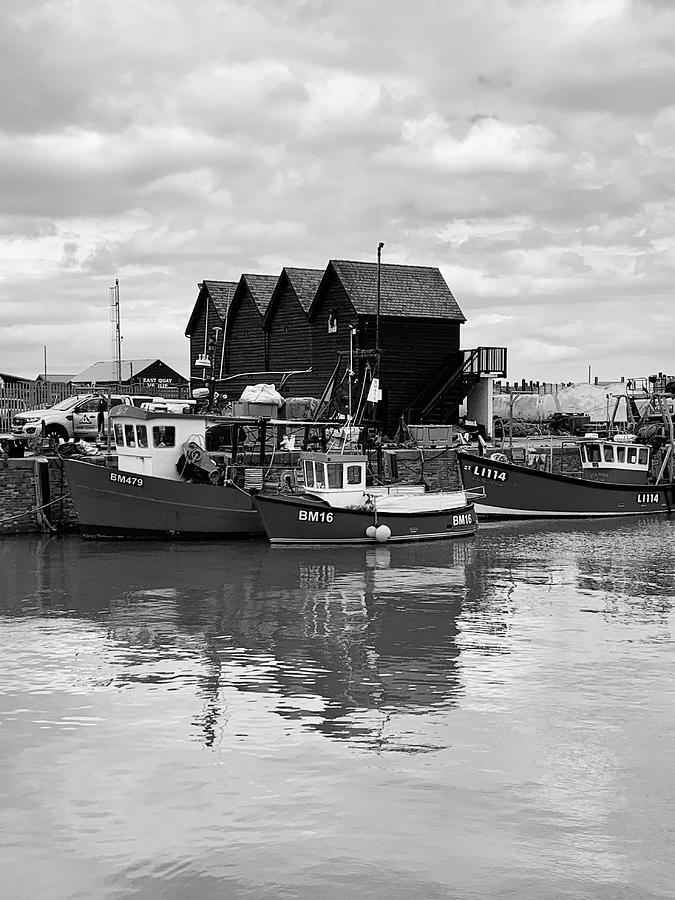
<point x="621" y="454"/>
<point x="129" y="436"/>
<point x="309" y="473"/>
<point x="319" y="475"/>
<point x="119" y="436"/>
<point x="142" y="435"/>
<point x="632" y="455"/>
<point x="643" y="456"/>
<point x="608" y="450"/>
<point x="353" y="474"/>
<point x="335" y="475"/>
<point x="593" y="453"/>
<point x="164" y="436"/>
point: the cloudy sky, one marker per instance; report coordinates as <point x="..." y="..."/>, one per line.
<point x="525" y="147"/>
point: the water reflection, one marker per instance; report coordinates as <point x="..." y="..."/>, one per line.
<point x="351" y="644"/>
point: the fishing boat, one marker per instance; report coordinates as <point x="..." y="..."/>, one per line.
<point x="627" y="473"/>
<point x="166" y="484"/>
<point x="332" y="505"/>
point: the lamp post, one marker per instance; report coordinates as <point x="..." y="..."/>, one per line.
<point x="377" y="315"/>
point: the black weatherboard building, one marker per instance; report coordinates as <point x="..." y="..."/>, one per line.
<point x="210" y="312"/>
<point x="308" y="318"/>
<point x="288" y="330"/>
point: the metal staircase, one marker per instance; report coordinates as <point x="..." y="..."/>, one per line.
<point x="456" y="377"/>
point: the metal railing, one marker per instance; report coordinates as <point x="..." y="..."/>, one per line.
<point x="9" y="407"/>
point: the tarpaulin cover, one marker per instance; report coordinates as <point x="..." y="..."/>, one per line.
<point x="261" y="393"/>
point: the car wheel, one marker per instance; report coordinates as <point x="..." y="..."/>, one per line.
<point x="56" y="431"/>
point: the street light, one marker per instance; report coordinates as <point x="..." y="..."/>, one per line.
<point x="377" y="316"/>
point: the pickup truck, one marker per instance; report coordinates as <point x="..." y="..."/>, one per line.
<point x="75" y="417"/>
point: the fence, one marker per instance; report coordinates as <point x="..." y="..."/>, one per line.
<point x="21" y="395"/>
<point x="9" y="407"/>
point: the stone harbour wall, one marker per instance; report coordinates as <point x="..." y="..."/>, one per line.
<point x="438" y="469"/>
<point x="28" y="484"/>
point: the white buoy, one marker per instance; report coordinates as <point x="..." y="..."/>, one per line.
<point x="370" y="531"/>
<point x="382" y="533"/>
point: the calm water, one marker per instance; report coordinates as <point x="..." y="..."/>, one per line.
<point x="486" y="718"/>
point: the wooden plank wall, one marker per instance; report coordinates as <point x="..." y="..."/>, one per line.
<point x="290" y="343"/>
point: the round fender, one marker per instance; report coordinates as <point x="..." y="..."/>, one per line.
<point x="382" y="533"/>
<point x="194" y="455"/>
<point x="370" y="531"/>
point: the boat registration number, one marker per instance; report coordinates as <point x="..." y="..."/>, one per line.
<point x="310" y="515"/>
<point x="462" y="519"/>
<point x="648" y="498"/>
<point x="487" y="472"/>
<point x="126" y="479"/>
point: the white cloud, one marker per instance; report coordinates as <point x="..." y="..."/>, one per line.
<point x="525" y="148"/>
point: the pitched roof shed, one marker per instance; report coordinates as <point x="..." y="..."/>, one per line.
<point x="405" y="291"/>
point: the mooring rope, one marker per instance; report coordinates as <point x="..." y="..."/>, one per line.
<point x="34" y="509"/>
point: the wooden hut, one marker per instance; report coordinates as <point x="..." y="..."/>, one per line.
<point x="288" y="330"/>
<point x="209" y="312"/>
<point x="419" y="331"/>
<point x="245" y="340"/>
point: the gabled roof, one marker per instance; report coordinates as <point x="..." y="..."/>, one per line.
<point x="5" y="377"/>
<point x="304" y="284"/>
<point x="405" y="291"/>
<point x="261" y="288"/>
<point x="55" y="379"/>
<point x="107" y="371"/>
<point x="221" y="294"/>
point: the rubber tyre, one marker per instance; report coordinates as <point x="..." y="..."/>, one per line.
<point x="57" y="431"/>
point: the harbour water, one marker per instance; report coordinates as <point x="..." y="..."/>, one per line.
<point x="489" y="717"/>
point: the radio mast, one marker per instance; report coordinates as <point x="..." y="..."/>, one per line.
<point x="115" y="334"/>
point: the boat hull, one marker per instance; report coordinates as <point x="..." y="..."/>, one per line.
<point x="516" y="492"/>
<point x="112" y="504"/>
<point x="301" y="520"/>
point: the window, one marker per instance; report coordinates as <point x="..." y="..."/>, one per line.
<point x="335" y="475"/>
<point x="115" y="402"/>
<point x="643" y="456"/>
<point x="332" y="322"/>
<point x="309" y="474"/>
<point x="142" y="435"/>
<point x="609" y="453"/>
<point x="320" y="475"/>
<point x="129" y="436"/>
<point x="593" y="453"/>
<point x="119" y="436"/>
<point x="353" y="474"/>
<point x="632" y="455"/>
<point x="90" y="406"/>
<point x="164" y="436"/>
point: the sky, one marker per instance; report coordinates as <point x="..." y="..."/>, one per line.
<point x="524" y="147"/>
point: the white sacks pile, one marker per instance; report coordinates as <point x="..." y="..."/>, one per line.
<point x="594" y="400"/>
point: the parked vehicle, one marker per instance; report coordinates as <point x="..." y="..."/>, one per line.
<point x="75" y="417"/>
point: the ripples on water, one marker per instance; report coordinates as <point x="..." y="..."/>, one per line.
<point x="479" y="718"/>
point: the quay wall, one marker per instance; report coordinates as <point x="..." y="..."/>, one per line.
<point x="26" y="487"/>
